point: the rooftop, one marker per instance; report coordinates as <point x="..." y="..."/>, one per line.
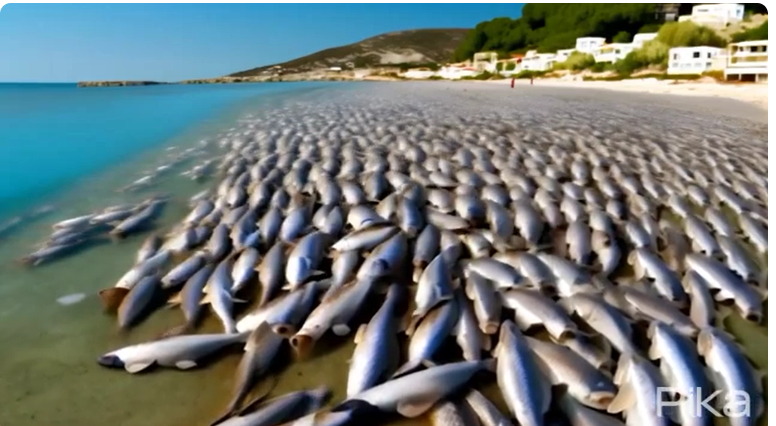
<point x="751" y="43"/>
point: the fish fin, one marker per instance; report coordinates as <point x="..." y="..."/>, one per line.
<point x="185" y="364"/>
<point x="360" y="334"/>
<point x="412" y="409"/>
<point x="236" y="300"/>
<point x="412" y="324"/>
<point x="631" y="257"/>
<point x="624" y="399"/>
<point x="206" y="299"/>
<point x="256" y="336"/>
<point x="136" y="367"/>
<point x="485" y="342"/>
<point x="112" y="297"/>
<point x="340" y="329"/>
<point x="405" y="369"/>
<point x="316" y="272"/>
<point x="489" y="364"/>
<point x="174" y="300"/>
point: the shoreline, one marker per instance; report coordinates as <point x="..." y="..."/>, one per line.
<point x="752" y="93"/>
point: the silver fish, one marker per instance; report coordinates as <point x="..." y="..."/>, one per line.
<point x="182" y="352"/>
<point x="561" y="365"/>
<point x="532" y="308"/>
<point x="376" y="355"/>
<point x="731" y="372"/>
<point x="415" y="394"/>
<point x="523" y="384"/>
<point x="728" y="285"/>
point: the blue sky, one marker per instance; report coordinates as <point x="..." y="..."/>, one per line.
<point x="169" y="42"/>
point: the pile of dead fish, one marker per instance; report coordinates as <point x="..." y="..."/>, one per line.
<point x="153" y="177"/>
<point x="76" y="233"/>
<point x="589" y="270"/>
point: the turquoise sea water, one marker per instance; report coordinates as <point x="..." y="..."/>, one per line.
<point x="55" y="134"/>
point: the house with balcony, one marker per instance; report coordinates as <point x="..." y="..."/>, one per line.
<point x="589" y="44"/>
<point x="693" y="60"/>
<point x="715" y="15"/>
<point x="747" y="61"/>
<point x="612" y="52"/>
<point x="538" y="61"/>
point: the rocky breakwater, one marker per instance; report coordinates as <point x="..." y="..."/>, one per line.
<point x="119" y="83"/>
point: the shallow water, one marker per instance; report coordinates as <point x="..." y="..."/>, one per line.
<point x="48" y="373"/>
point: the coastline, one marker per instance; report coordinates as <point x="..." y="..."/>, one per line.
<point x="752" y="93"/>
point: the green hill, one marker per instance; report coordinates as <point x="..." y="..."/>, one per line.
<point x="413" y="46"/>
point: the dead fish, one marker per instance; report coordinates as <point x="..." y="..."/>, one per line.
<point x="182" y="352"/>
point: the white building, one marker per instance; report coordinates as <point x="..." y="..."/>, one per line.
<point x="419" y="73"/>
<point x="612" y="52"/>
<point x="456" y="72"/>
<point x="589" y="44"/>
<point x="538" y="61"/>
<point x="716" y="15"/>
<point x="692" y="60"/>
<point x="747" y="61"/>
<point x="563" y="54"/>
<point x="485" y="61"/>
<point x="640" y="39"/>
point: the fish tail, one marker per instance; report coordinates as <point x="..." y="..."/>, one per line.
<point x="112" y="297"/>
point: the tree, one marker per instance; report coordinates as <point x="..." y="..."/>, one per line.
<point x="756" y="33"/>
<point x="549" y="27"/>
<point x="622" y="37"/>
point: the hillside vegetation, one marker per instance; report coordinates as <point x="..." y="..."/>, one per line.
<point x="402" y="47"/>
<point x="549" y="27"/>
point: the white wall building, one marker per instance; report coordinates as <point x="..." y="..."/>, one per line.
<point x="692" y="60"/>
<point x="589" y="44"/>
<point x="485" y="61"/>
<point x="453" y="72"/>
<point x="718" y="15"/>
<point x="538" y="61"/>
<point x="640" y="39"/>
<point x="747" y="61"/>
<point x="612" y="52"/>
<point x="419" y="73"/>
<point x="563" y="54"/>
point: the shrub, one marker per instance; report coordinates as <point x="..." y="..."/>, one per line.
<point x="676" y="34"/>
<point x="756" y="33"/>
<point x="577" y="61"/>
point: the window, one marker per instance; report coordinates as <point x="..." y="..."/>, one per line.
<point x="696" y="55"/>
<point x="708" y="55"/>
<point x="765" y="48"/>
<point x="676" y="56"/>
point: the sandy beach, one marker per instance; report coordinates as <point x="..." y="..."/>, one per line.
<point x="756" y="94"/>
<point x="50" y="373"/>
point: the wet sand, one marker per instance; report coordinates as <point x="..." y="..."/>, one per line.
<point x="48" y="371"/>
